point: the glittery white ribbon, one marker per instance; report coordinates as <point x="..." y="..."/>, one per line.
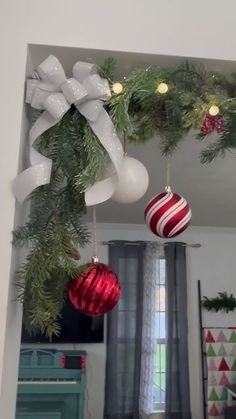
<point x="54" y="94"/>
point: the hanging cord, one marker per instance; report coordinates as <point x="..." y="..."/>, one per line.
<point x="94" y="236"/>
<point x="125" y="146"/>
<point x="168" y="188"/>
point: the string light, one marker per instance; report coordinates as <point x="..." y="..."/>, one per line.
<point x="162" y="88"/>
<point x="214" y="110"/>
<point x="117" y="88"/>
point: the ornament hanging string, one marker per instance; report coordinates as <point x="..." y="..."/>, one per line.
<point x="94" y="235"/>
<point x="125" y="146"/>
<point x="168" y="188"/>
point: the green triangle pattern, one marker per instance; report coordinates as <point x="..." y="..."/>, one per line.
<point x="224" y="394"/>
<point x="210" y="351"/>
<point x="233" y="368"/>
<point x="213" y="397"/>
<point x="233" y="337"/>
<point x="222" y="351"/>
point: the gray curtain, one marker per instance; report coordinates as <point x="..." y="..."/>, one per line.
<point x="177" y="375"/>
<point x="124" y="333"/>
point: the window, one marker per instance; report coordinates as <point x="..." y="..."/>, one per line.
<point x="159" y="381"/>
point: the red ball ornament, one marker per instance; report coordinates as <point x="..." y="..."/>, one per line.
<point x="96" y="291"/>
<point x="167" y="214"/>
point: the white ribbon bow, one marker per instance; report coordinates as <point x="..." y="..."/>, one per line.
<point x="55" y="94"/>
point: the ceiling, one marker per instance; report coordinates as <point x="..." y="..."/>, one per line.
<point x="126" y="61"/>
<point x="209" y="189"/>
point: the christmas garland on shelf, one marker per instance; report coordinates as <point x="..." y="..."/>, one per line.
<point x="152" y="102"/>
<point x="222" y="302"/>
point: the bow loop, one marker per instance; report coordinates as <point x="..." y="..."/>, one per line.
<point x="37" y="92"/>
<point x="81" y="70"/>
<point x="97" y="87"/>
<point x="57" y="105"/>
<point x="51" y="70"/>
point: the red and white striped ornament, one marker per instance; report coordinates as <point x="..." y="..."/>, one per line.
<point x="167" y="214"/>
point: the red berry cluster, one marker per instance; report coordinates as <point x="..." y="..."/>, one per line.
<point x="211" y="123"/>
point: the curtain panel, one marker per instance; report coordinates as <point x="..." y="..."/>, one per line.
<point x="177" y="370"/>
<point x="124" y="333"/>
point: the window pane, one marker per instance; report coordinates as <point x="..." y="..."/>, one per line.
<point x="159" y="384"/>
<point x="162" y="292"/>
<point x="160" y="358"/>
<point x="160" y="325"/>
<point x="160" y="300"/>
<point x="158" y="392"/>
<point x="163" y="382"/>
<point x="162" y="271"/>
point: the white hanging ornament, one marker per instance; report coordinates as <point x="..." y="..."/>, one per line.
<point x="132" y="182"/>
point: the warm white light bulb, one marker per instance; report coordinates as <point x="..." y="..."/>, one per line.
<point x="117" y="88"/>
<point x="162" y="88"/>
<point x="214" y="110"/>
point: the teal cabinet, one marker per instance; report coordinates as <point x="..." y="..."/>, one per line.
<point x="39" y="415"/>
<point x="51" y="384"/>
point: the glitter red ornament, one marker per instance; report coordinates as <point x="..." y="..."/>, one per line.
<point x="96" y="291"/>
<point x="211" y="123"/>
<point x="167" y="214"/>
<point x="219" y="124"/>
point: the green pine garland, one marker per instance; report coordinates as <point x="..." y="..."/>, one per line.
<point x="55" y="228"/>
<point x="222" y="302"/>
<point x="140" y="113"/>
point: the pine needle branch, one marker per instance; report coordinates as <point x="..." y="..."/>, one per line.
<point x="222" y="302"/>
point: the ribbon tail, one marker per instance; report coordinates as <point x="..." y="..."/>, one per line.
<point x="105" y="131"/>
<point x="100" y="192"/>
<point x="31" y="178"/>
<point x="40" y="171"/>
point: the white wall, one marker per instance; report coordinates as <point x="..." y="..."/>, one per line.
<point x="166" y="27"/>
